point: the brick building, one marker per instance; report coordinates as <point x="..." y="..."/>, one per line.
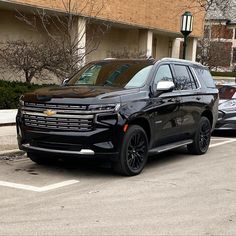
<point x="220" y="31"/>
<point x="149" y="26"/>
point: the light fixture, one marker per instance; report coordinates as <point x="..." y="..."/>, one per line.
<point x="186" y="28"/>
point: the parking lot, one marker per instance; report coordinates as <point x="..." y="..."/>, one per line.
<point x="177" y="193"/>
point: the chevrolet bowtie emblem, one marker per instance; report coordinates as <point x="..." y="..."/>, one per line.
<point x="49" y="113"/>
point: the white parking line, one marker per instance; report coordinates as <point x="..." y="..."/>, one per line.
<point x="38" y="189"/>
<point x="222" y="143"/>
<point x="218" y="139"/>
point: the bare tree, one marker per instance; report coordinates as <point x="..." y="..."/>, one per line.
<point x="34" y="59"/>
<point x="223" y="5"/>
<point x="213" y="49"/>
<point x="214" y="54"/>
<point x="65" y="39"/>
<point x="71" y="34"/>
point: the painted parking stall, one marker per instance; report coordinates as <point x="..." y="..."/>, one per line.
<point x="45" y="180"/>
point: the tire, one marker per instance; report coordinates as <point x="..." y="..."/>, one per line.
<point x="202" y="138"/>
<point x="41" y="159"/>
<point x="133" y="153"/>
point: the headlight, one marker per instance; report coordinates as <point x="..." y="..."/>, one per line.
<point x="229" y="105"/>
<point x="104" y="107"/>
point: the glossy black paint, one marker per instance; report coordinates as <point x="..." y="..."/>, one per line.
<point x="167" y="118"/>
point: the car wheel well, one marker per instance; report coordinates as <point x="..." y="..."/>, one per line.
<point x="208" y="115"/>
<point x="144" y="124"/>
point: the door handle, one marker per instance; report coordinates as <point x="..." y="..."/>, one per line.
<point x="175" y="100"/>
<point x="171" y="100"/>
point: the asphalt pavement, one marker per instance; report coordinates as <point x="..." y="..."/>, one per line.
<point x="177" y="194"/>
<point x="8" y="141"/>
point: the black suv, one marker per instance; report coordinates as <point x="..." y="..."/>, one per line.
<point x="121" y="109"/>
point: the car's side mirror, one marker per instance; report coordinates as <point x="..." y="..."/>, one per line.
<point x="64" y="82"/>
<point x="165" y="86"/>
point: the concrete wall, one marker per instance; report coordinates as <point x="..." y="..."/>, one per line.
<point x="156" y="14"/>
<point x="163" y="47"/>
<point x="133" y="43"/>
<point x="116" y="42"/>
<point x="13" y="29"/>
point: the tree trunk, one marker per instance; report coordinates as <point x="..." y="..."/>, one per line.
<point x="29" y="76"/>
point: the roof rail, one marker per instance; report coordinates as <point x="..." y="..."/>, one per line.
<point x="180" y="60"/>
<point x="109" y="58"/>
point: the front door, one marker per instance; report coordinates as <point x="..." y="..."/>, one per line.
<point x="165" y="110"/>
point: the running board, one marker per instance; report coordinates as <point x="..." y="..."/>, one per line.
<point x="169" y="147"/>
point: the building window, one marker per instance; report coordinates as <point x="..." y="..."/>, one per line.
<point x="234" y="55"/>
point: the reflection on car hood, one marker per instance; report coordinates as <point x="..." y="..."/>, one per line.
<point x="83" y="92"/>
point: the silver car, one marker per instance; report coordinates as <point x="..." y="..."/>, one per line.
<point x="227" y="108"/>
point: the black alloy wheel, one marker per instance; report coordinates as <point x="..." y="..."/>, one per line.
<point x="205" y="136"/>
<point x="136" y="150"/>
<point x="202" y="137"/>
<point x="133" y="154"/>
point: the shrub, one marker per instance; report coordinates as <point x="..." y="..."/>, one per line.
<point x="10" y="93"/>
<point x="224" y="74"/>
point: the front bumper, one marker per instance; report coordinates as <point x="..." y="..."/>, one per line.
<point x="102" y="142"/>
<point x="29" y="147"/>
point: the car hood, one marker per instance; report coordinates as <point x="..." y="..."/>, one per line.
<point x="87" y="94"/>
<point x="222" y="101"/>
<point x="227" y="105"/>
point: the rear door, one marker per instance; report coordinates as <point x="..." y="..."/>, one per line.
<point x="190" y="101"/>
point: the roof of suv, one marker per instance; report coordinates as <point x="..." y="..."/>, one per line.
<point x="153" y="61"/>
<point x="183" y="61"/>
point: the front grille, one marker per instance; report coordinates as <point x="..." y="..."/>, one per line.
<point x="60" y="108"/>
<point x="57" y="117"/>
<point x="57" y="123"/>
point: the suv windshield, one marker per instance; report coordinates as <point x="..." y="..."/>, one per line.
<point x="125" y="74"/>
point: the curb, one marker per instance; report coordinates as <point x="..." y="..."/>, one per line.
<point x="11" y="152"/>
<point x="7" y="124"/>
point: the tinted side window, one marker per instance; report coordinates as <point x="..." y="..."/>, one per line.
<point x="163" y="73"/>
<point x="205" y="77"/>
<point x="184" y="79"/>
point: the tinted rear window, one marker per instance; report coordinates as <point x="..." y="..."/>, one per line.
<point x="184" y="80"/>
<point x="205" y="76"/>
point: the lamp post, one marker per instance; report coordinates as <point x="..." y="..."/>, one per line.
<point x="186" y="28"/>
